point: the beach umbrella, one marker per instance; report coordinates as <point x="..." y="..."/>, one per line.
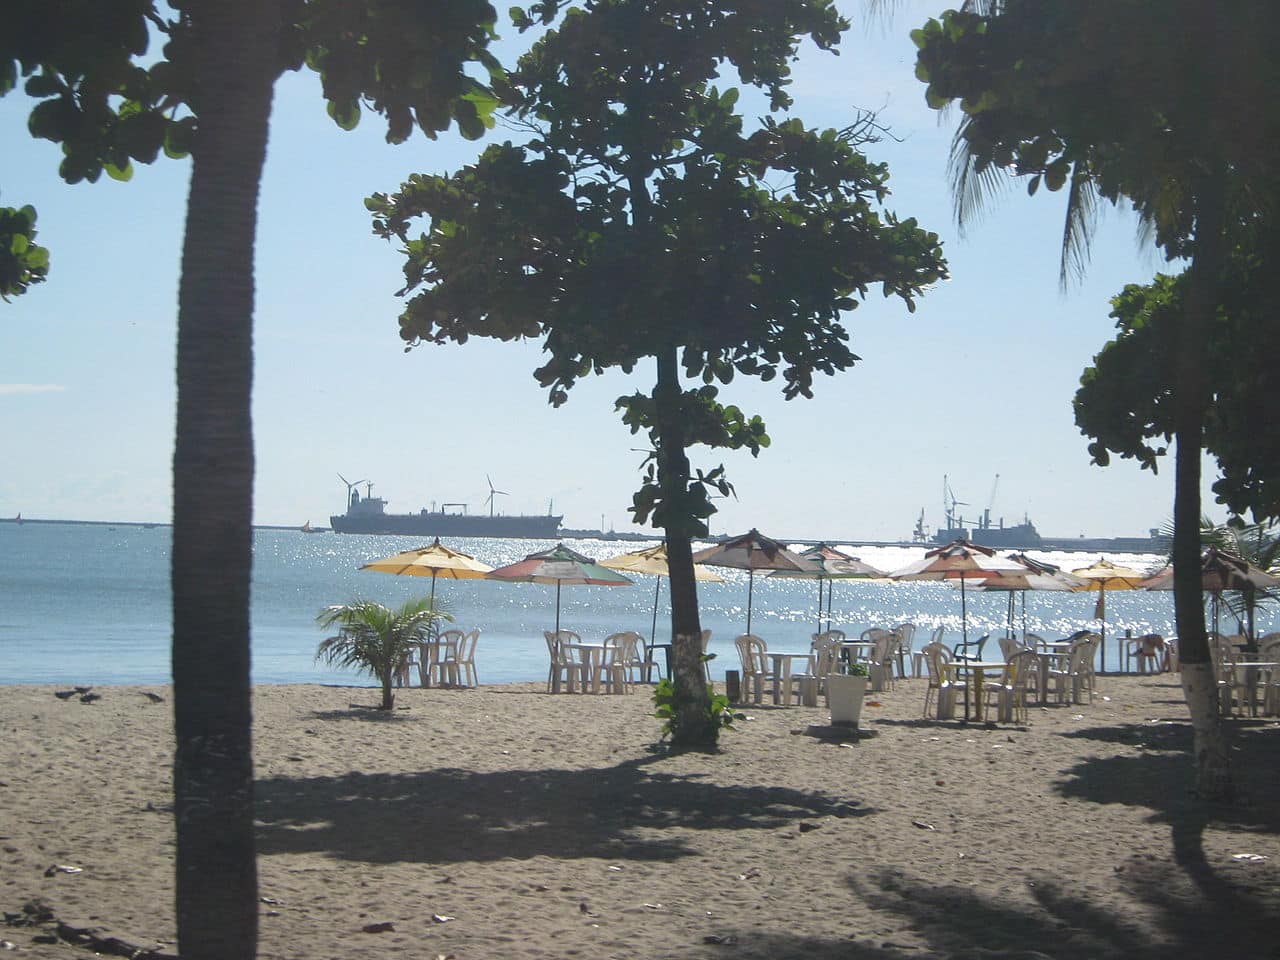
<point x="831" y="564"/>
<point x="1219" y="571"/>
<point x="959" y="560"/>
<point x="1103" y="576"/>
<point x="752" y="551"/>
<point x="432" y="561"/>
<point x="1036" y="576"/>
<point x="560" y="566"/>
<point x="963" y="561"/>
<point x="653" y="562"/>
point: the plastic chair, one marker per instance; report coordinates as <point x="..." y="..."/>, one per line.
<point x="917" y="656"/>
<point x="1009" y="694"/>
<point x="565" y="671"/>
<point x="826" y="658"/>
<point x="755" y="668"/>
<point x="439" y="657"/>
<point x="906" y="633"/>
<point x="962" y="648"/>
<point x="461" y="663"/>
<point x="617" y="659"/>
<point x="936" y="657"/>
<point x="882" y="660"/>
<point x="1076" y="675"/>
<point x="1147" y="652"/>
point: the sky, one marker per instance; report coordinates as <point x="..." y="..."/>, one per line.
<point x="975" y="386"/>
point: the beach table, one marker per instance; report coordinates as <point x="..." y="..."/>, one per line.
<point x="963" y="671"/>
<point x="856" y="650"/>
<point x="782" y="670"/>
<point x="589" y="655"/>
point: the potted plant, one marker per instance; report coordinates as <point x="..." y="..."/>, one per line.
<point x="845" y="692"/>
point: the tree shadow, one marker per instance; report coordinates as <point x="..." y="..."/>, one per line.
<point x="456" y="815"/>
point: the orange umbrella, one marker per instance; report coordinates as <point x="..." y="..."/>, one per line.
<point x="1103" y="576"/>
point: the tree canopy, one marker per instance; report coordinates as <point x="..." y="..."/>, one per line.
<point x="1125" y="401"/>
<point x="641" y="219"/>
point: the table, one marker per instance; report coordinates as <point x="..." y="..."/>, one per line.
<point x="782" y="673"/>
<point x="978" y="670"/>
<point x="856" y="649"/>
<point x="589" y="655"/>
<point x="1251" y="670"/>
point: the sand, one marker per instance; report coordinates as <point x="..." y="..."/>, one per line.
<point x="505" y="822"/>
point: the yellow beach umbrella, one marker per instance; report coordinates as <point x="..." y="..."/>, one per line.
<point x="432" y="561"/>
<point x="653" y="561"/>
<point x="1103" y="576"/>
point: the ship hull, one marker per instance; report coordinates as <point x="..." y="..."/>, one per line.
<point x="451" y="525"/>
<point x="1023" y="536"/>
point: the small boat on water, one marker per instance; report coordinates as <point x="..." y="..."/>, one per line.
<point x="307" y="528"/>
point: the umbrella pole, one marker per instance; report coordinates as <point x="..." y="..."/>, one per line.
<point x="751" y="581"/>
<point x="653" y="631"/>
<point x="432" y="601"/>
<point x="557" y="610"/>
<point x="819" y="605"/>
<point x="1102" y="647"/>
<point x="964" y="633"/>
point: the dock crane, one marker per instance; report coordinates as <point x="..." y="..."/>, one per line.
<point x="986" y="514"/>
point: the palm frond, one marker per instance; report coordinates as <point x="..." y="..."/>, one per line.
<point x="1078" y="227"/>
<point x="973" y="182"/>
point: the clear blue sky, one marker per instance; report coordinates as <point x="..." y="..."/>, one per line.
<point x="978" y="382"/>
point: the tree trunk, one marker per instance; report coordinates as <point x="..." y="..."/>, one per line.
<point x="694" y="726"/>
<point x="1191" y="396"/>
<point x="216" y="881"/>
<point x="388" y="696"/>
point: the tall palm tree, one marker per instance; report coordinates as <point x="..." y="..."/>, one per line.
<point x="1166" y="142"/>
<point x="234" y="50"/>
<point x="375" y="639"/>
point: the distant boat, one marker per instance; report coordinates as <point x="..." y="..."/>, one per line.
<point x="307" y="528"/>
<point x="18" y="518"/>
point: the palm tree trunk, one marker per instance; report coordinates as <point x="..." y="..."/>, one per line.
<point x="1191" y="396"/>
<point x="694" y="726"/>
<point x="388" y="696"/>
<point x="216" y="881"/>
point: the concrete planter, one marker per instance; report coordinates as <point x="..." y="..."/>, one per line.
<point x="844" y="697"/>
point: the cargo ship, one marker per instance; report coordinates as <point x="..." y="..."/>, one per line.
<point x="1018" y="536"/>
<point x="368" y="514"/>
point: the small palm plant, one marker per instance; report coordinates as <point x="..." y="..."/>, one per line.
<point x="375" y="639"/>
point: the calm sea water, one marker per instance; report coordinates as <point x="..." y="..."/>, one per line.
<point x="84" y="603"/>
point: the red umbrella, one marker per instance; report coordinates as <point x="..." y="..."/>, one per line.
<point x="752" y="551"/>
<point x="959" y="560"/>
<point x="831" y="564"/>
<point x="559" y="565"/>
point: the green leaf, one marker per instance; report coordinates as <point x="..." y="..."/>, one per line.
<point x="123" y="174"/>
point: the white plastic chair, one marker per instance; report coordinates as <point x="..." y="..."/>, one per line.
<point x="617" y="659"/>
<point x="936" y="657"/>
<point x="565" y="671"/>
<point x="461" y="662"/>
<point x="755" y="666"/>
<point x="906" y="633"/>
<point x="1009" y="694"/>
<point x="439" y="658"/>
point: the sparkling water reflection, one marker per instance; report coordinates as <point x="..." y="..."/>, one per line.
<point x="91" y="604"/>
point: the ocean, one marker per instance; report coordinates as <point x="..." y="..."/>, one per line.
<point x="90" y="604"/>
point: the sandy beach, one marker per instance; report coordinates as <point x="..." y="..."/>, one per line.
<point x="505" y="822"/>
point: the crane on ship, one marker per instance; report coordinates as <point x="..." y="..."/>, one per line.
<point x="991" y="500"/>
